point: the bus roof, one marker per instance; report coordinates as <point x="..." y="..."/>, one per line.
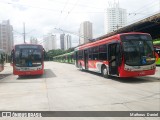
<point x="105" y="40"/>
<point x="28" y="44"/>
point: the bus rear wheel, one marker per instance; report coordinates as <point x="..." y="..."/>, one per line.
<point x="105" y="72"/>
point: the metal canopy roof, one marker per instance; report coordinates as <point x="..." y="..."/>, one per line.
<point x="149" y="25"/>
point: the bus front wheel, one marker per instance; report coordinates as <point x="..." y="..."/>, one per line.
<point x="105" y="72"/>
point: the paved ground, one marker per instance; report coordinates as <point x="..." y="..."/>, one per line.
<point x="65" y="88"/>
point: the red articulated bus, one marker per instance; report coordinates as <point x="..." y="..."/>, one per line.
<point x="122" y="55"/>
<point x="28" y="59"/>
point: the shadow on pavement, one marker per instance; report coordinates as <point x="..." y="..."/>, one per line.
<point x="136" y="80"/>
<point x="4" y="75"/>
<point x="47" y="74"/>
<point x="132" y="80"/>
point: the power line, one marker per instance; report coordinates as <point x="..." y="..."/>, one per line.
<point x="141" y="11"/>
<point x="82" y="5"/>
<point x="54" y="10"/>
<point x="133" y="19"/>
<point x="11" y="3"/>
<point x="59" y="29"/>
<point x="137" y="11"/>
<point x="69" y="12"/>
<point x="62" y="12"/>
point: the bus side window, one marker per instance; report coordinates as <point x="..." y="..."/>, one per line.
<point x="95" y="51"/>
<point x="90" y="54"/>
<point x="119" y="53"/>
<point x="103" y="52"/>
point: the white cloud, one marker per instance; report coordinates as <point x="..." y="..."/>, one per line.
<point x="42" y="16"/>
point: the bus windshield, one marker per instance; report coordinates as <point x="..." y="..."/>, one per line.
<point x="28" y="56"/>
<point x="138" y="49"/>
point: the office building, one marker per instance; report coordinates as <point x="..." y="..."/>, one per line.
<point x="115" y="18"/>
<point x="50" y="42"/>
<point x="85" y="32"/>
<point x="62" y="41"/>
<point x="67" y="42"/>
<point x="6" y="36"/>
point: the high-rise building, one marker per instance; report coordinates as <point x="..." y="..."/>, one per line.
<point x="115" y="18"/>
<point x="85" y="32"/>
<point x="6" y="36"/>
<point x="33" y="41"/>
<point x="67" y="42"/>
<point x="62" y="41"/>
<point x="50" y="42"/>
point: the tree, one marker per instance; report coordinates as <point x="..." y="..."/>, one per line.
<point x="52" y="53"/>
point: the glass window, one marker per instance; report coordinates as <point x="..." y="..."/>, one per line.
<point x="90" y="50"/>
<point x="102" y="48"/>
<point x="80" y="52"/>
<point x="102" y="56"/>
<point x="95" y="56"/>
<point x="90" y="57"/>
<point x="28" y="56"/>
<point x="95" y="49"/>
<point x="138" y="52"/>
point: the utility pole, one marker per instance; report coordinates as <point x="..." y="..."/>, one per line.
<point x="117" y="26"/>
<point x="24" y="34"/>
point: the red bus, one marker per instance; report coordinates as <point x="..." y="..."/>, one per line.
<point x="122" y="55"/>
<point x="28" y="59"/>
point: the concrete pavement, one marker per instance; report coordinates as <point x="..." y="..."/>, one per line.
<point x="65" y="88"/>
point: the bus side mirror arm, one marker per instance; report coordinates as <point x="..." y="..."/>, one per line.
<point x="12" y="56"/>
<point x="44" y="52"/>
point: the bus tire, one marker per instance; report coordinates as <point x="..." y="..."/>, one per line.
<point x="104" y="72"/>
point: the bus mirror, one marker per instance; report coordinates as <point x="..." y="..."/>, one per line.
<point x="44" y="52"/>
<point x="12" y="54"/>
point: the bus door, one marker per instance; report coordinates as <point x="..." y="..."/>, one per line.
<point x="76" y="58"/>
<point x="86" y="59"/>
<point x="112" y="58"/>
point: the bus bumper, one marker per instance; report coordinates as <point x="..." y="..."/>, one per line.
<point x="137" y="73"/>
<point x="37" y="72"/>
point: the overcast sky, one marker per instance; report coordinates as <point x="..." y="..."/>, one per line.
<point x="42" y="16"/>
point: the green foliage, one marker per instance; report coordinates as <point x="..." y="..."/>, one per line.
<point x="156" y="41"/>
<point x="52" y="53"/>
